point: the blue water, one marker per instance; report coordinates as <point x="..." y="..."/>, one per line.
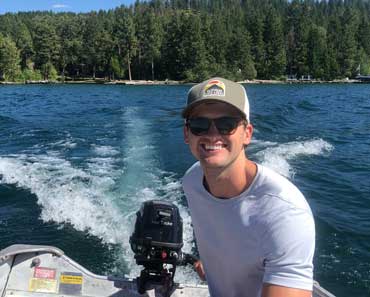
<point x="77" y="161"/>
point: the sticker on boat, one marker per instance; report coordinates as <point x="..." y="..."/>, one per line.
<point x="41" y="285"/>
<point x="70" y="283"/>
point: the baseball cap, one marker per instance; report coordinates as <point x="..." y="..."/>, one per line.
<point x="218" y="89"/>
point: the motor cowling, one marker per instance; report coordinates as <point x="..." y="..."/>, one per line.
<point x="157" y="236"/>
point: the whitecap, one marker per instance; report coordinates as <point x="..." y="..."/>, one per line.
<point x="277" y="156"/>
<point x="104" y="150"/>
<point x="67" y="194"/>
<point x="65" y="143"/>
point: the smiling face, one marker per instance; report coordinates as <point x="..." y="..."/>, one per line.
<point x="214" y="150"/>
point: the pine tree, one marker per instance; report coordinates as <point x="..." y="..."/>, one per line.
<point x="298" y="23"/>
<point x="256" y="28"/>
<point x="70" y="42"/>
<point x="239" y="53"/>
<point x="9" y="59"/>
<point x="348" y="44"/>
<point x="124" y="30"/>
<point x="46" y="46"/>
<point x="24" y="43"/>
<point x="150" y="35"/>
<point x="333" y="46"/>
<point x="216" y="40"/>
<point x="90" y="53"/>
<point x="172" y="47"/>
<point x="275" y="62"/>
<point x="317" y="52"/>
<point x="193" y="51"/>
<point x="364" y="35"/>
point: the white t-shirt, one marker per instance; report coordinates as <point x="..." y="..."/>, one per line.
<point x="264" y="235"/>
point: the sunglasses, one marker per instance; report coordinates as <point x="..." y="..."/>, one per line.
<point x="225" y="125"/>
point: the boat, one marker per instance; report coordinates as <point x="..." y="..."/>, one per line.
<point x="28" y="270"/>
<point x="360" y="77"/>
<point x="363" y="78"/>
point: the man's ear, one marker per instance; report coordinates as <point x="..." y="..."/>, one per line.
<point x="186" y="134"/>
<point x="248" y="132"/>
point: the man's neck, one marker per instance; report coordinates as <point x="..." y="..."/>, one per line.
<point x="230" y="182"/>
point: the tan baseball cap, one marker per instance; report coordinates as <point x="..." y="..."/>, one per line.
<point x="219" y="89"/>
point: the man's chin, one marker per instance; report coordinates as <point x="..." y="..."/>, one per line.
<point x="212" y="163"/>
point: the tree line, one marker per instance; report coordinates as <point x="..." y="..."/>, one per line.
<point x="190" y="40"/>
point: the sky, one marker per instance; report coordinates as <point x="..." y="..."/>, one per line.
<point x="59" y="5"/>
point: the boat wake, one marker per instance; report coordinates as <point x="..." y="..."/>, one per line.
<point x="277" y="155"/>
<point x="102" y="193"/>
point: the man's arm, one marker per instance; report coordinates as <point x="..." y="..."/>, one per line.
<point x="270" y="290"/>
<point x="198" y="266"/>
<point x="289" y="249"/>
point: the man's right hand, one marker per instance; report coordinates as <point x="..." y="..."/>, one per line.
<point x="198" y="266"/>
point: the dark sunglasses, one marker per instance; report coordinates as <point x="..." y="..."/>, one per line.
<point x="225" y="125"/>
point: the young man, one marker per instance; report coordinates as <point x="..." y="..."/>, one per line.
<point x="254" y="229"/>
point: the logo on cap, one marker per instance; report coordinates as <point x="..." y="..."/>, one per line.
<point x="214" y="88"/>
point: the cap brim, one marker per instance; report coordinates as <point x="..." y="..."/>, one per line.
<point x="186" y="111"/>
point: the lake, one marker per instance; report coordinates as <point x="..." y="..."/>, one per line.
<point x="77" y="161"/>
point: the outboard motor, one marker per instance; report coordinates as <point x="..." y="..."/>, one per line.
<point x="157" y="242"/>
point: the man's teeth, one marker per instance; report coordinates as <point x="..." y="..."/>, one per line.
<point x="213" y="147"/>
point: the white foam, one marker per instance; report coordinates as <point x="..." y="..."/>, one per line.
<point x="66" y="194"/>
<point x="103" y="167"/>
<point x="262" y="143"/>
<point x="69" y="143"/>
<point x="277" y="156"/>
<point x="105" y="150"/>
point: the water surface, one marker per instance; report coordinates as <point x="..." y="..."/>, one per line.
<point x="77" y="161"/>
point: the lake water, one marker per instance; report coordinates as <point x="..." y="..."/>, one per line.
<point x="77" y="161"/>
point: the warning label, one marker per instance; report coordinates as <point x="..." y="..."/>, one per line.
<point x="70" y="283"/>
<point x="43" y="285"/>
<point x="71" y="279"/>
<point x="42" y="272"/>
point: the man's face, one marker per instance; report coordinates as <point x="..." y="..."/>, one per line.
<point x="214" y="150"/>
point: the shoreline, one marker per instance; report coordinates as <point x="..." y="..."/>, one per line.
<point x="296" y="81"/>
<point x="174" y="82"/>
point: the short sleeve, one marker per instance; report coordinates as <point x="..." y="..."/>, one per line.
<point x="288" y="249"/>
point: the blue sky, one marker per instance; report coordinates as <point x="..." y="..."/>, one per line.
<point x="59" y="5"/>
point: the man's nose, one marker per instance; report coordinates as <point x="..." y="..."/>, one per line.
<point x="213" y="129"/>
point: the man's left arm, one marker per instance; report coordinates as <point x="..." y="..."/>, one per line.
<point x="289" y="247"/>
<point x="270" y="290"/>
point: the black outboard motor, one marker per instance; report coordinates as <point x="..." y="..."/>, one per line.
<point x="157" y="242"/>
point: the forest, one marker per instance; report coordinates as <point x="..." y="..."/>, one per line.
<point x="190" y="40"/>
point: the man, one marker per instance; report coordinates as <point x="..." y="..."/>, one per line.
<point x="254" y="229"/>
